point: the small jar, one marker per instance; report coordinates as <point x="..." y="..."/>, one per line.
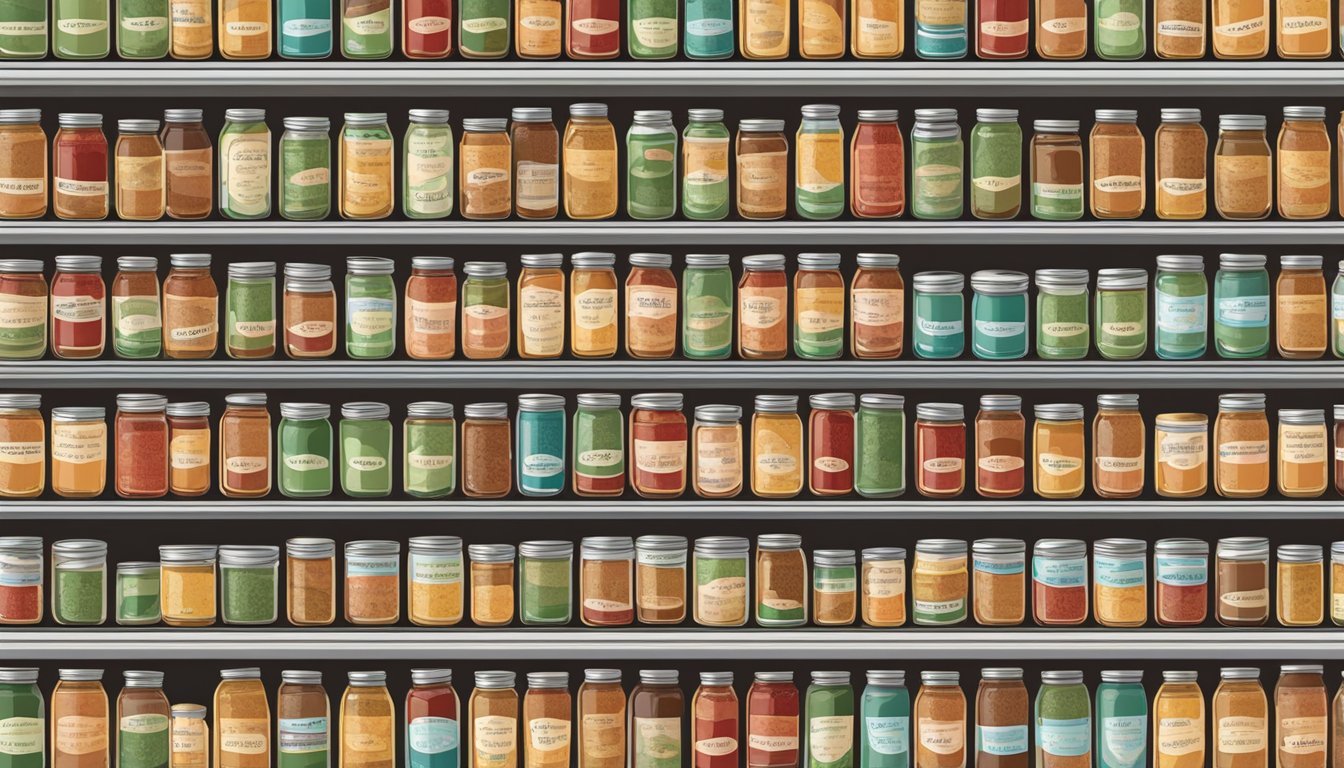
<point x="650" y="307"/>
<point x="1180" y="582"/>
<point x="249" y="579"/>
<point x="721" y="569"/>
<point x="1118" y="165"/>
<point x="607" y="581"/>
<point x="21" y="577"/>
<point x="1180" y="308"/>
<point x="485" y="312"/>
<point x="818" y="307"/>
<point x="1058" y="451"/>
<point x="142" y="446"/>
<point x="940" y="449"/>
<point x="23" y="447"/>
<point x="1300" y="580"/>
<point x="541" y="445"/>
<point x="883" y="586"/>
<point x="1056" y="171"/>
<point x="657" y="445"/>
<point x="23" y="302"/>
<point x="434" y="569"/>
<point x="1242" y="581"/>
<point x="1302" y="331"/>
<point x="1059" y="582"/>
<point x="763" y="308"/>
<point x="1000" y="447"/>
<point x="599" y="445"/>
<point x="1062" y="314"/>
<point x="545" y="582"/>
<point x="190" y="308"/>
<point x="879" y="461"/>
<point x="1181" y="454"/>
<point x="939" y="315"/>
<point x="776" y="447"/>
<point x="999" y="309"/>
<point x="137" y="594"/>
<point x="1241" y="304"/>
<point x="1122" y="313"/>
<point x="1118" y="446"/>
<point x="835" y="596"/>
<point x="486" y="451"/>
<point x="310" y="311"/>
<point x="310" y="582"/>
<point x="1243" y="180"/>
<point x="492" y="599"/>
<point x="940" y="587"/>
<point x="78" y="452"/>
<point x="429" y="447"/>
<point x="245" y="446"/>
<point x="716" y="458"/>
<point x="1304" y="172"/>
<point x="78" y="308"/>
<point x="187" y="580"/>
<point x="1000" y="589"/>
<point x="1241" y="447"/>
<point x="1120" y="582"/>
<point x="831" y="444"/>
<point x="305" y="443"/>
<point x="249" y="329"/>
<point x="373" y="582"/>
<point x="1179" y="165"/>
<point x="781" y="580"/>
<point x="762" y="154"/>
<point x="138" y="170"/>
<point x="593" y="290"/>
<point x="660" y="579"/>
<point x="1303" y="451"/>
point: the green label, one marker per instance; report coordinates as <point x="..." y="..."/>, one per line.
<point x="650" y="183"/>
<point x="137" y="326"/>
<point x="23" y="325"/>
<point x="305" y="178"/>
<point x="428" y="173"/>
<point x="1056" y="201"/>
<point x="142" y="741"/>
<point x="251" y="321"/>
<point x="484" y="31"/>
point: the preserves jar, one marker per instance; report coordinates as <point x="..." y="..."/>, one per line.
<point x="365" y="164"/>
<point x="590" y="163"/>
<point x="1120" y="582"/>
<point x="536" y="163"/>
<point x="1303" y="451"/>
<point x="762" y="154"/>
<point x="23" y="304"/>
<point x="1059" y="453"/>
<point x="1063" y="327"/>
<point x="831" y="444"/>
<point x="940" y="449"/>
<point x="650" y="307"/>
<point x="776" y="447"/>
<point x="1241" y="446"/>
<point x="23" y="448"/>
<point x="658" y="442"/>
<point x="599" y="445"/>
<point x="877" y="308"/>
<point x="1000" y="447"/>
<point x="1180" y="308"/>
<point x="142" y="446"/>
<point x="1000" y="589"/>
<point x="188" y="162"/>
<point x="1059" y="582"/>
<point x="78" y="308"/>
<point x="1242" y="162"/>
<point x="138" y="170"/>
<point x="818" y="307"/>
<point x="883" y="586"/>
<point x="1118" y="447"/>
<point x="762" y="308"/>
<point x="79" y="168"/>
<point x="592" y="305"/>
<point x="1056" y="170"/>
<point x="721" y="576"/>
<point x="1180" y="454"/>
<point x="1304" y="170"/>
<point x="1242" y="581"/>
<point x="781" y="580"/>
<point x="23" y="155"/>
<point x="1180" y="165"/>
<point x="190" y="308"/>
<point x="485" y="160"/>
<point x="430" y="327"/>
<point x="245" y="446"/>
<point x="1180" y="582"/>
<point x="716" y="460"/>
<point x="1118" y="165"/>
<point x="309" y="311"/>
<point x="940" y="583"/>
<point x="1302" y="330"/>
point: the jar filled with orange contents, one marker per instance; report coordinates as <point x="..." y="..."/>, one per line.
<point x="1057" y="442"/>
<point x="1304" y="453"/>
<point x="650" y="307"/>
<point x="23" y="448"/>
<point x="1241" y="447"/>
<point x="762" y="308"/>
<point x="883" y="587"/>
<point x="431" y="309"/>
<point x="589" y="163"/>
<point x="1181" y="454"/>
<point x="1303" y="320"/>
<point x="78" y="452"/>
<point x="436" y="579"/>
<point x="373" y="582"/>
<point x="541" y="306"/>
<point x="486" y="158"/>
<point x="1118" y="447"/>
<point x="592" y="309"/>
<point x="877" y="308"/>
<point x="1303" y="164"/>
<point x="189" y="448"/>
<point x="245" y="446"/>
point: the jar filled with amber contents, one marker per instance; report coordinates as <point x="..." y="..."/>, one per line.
<point x="486" y="158"/>
<point x="487" y="463"/>
<point x="606" y="581"/>
<point x="1181" y="166"/>
<point x="776" y="447"/>
<point x="373" y="582"/>
<point x="1304" y="453"/>
<point x="1242" y="168"/>
<point x="1241" y="447"/>
<point x="716" y="454"/>
<point x="877" y="308"/>
<point x="940" y="584"/>
<point x="939" y="720"/>
<point x="762" y="308"/>
<point x="309" y="311"/>
<point x="138" y="170"/>
<point x="310" y="581"/>
<point x="1300" y="577"/>
<point x="592" y="305"/>
<point x="245" y="446"/>
<point x="1181" y="454"/>
<point x="365" y="167"/>
<point x="536" y="163"/>
<point x="590" y="164"/>
<point x="1337" y="584"/>
<point x="660" y="579"/>
<point x="650" y="307"/>
<point x="1303" y="319"/>
<point x="1000" y="447"/>
<point x="1118" y="165"/>
<point x="187" y="579"/>
<point x="78" y="452"/>
<point x="1059" y="456"/>
<point x="541" y="305"/>
<point x="1304" y="164"/>
<point x="188" y="164"/>
<point x="1118" y="447"/>
<point x="818" y="307"/>
<point x="762" y="154"/>
<point x="23" y="450"/>
<point x="781" y="580"/>
<point x="190" y="308"/>
<point x="883" y="587"/>
<point x="1000" y="581"/>
<point x="492" y="578"/>
<point x="1302" y="714"/>
<point x="1178" y="29"/>
<point x="1120" y="582"/>
<point x="23" y="162"/>
<point x="1056" y="170"/>
<point x="835" y="589"/>
<point x="189" y="448"/>
<point x="1242" y="581"/>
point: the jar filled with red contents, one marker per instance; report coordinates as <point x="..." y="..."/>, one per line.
<point x="1001" y="29"/>
<point x="309" y="311"/>
<point x="78" y="308"/>
<point x="877" y="163"/>
<point x="763" y="308"/>
<point x="772" y="721"/>
<point x="831" y="444"/>
<point x="1181" y="582"/>
<point x="1000" y="447"/>
<point x="1059" y="582"/>
<point x="142" y="446"/>
<point x="658" y="445"/>
<point x="714" y="722"/>
<point x="431" y="715"/>
<point x="877" y="308"/>
<point x="940" y="449"/>
<point x="431" y="309"/>
<point x="79" y="168"/>
<point x="20" y="580"/>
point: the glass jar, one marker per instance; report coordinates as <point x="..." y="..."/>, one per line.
<point x="1063" y="717"/>
<point x="1122" y="313"/>
<point x="722" y="581"/>
<point x="1000" y="568"/>
<point x="430" y="325"/>
<point x="541" y="445"/>
<point x="1241" y="299"/>
<point x="999" y="308"/>
<point x="762" y="308"/>
<point x="249" y="579"/>
<point x="142" y="446"/>
<point x="1059" y="454"/>
<point x="364" y="170"/>
<point x="1242" y="168"/>
<point x="589" y="163"/>
<point x="1000" y="447"/>
<point x="877" y="308"/>
<point x="245" y="446"/>
<point x="940" y="449"/>
<point x="545" y="582"/>
<point x="1303" y="151"/>
<point x="940" y="719"/>
<point x="1180" y="454"/>
<point x="1240" y="717"/>
<point x="1302" y="715"/>
<point x="714" y="724"/>
<point x="187" y="585"/>
<point x="429" y="442"/>
<point x="23" y="303"/>
<point x="304" y="442"/>
<point x="366" y="450"/>
<point x="1120" y="582"/>
<point x="1056" y="171"/>
<point x="370" y="308"/>
<point x="433" y="712"/>
<point x="24" y="160"/>
<point x="651" y="166"/>
<point x="1002" y="711"/>
<point x="492" y="579"/>
<point x="536" y="163"/>
<point x="79" y="168"/>
<point x="940" y="588"/>
<point x="883" y="587"/>
<point x="877" y="162"/>
<point x="78" y="452"/>
<point x="245" y="165"/>
<point x="831" y="444"/>
<point x="250" y="310"/>
<point x="657" y="445"/>
<point x="776" y="447"/>
<point x="762" y="154"/>
<point x="23" y="447"/>
<point x="21" y="580"/>
<point x="599" y="445"/>
<point x="819" y="186"/>
<point x="1178" y="719"/>
<point x="541" y="305"/>
<point x="829" y="713"/>
<point x="1059" y="582"/>
<point x="1180" y="582"/>
<point x="1336" y="603"/>
<point x="138" y="170"/>
<point x="310" y="582"/>
<point x="373" y="582"/>
<point x="435" y="571"/>
<point x="309" y="311"/>
<point x="939" y="315"/>
<point x="1181" y="325"/>
<point x="427" y="161"/>
<point x="716" y="458"/>
<point x="996" y="165"/>
<point x="707" y="295"/>
<point x="1300" y="585"/>
<point x="1242" y="581"/>
<point x="137" y="594"/>
<point x="781" y="580"/>
<point x="593" y="290"/>
<point x="305" y="169"/>
<point x="78" y="695"/>
<point x="493" y="717"/>
<point x="1303" y="451"/>
<point x="660" y="579"/>
<point x="137" y="320"/>
<point x="879" y="461"/>
<point x="818" y="307"/>
<point x="303" y="720"/>
<point x="190" y="308"/>
<point x="485" y="311"/>
<point x="487" y="453"/>
<point x="651" y="307"/>
<point x="188" y="162"/>
<point x="1118" y="165"/>
<point x="835" y="587"/>
<point x="1180" y="166"/>
<point x="1303" y="328"/>
<point x="78" y="308"/>
<point x="936" y="157"/>
<point x="607" y="581"/>
<point x="485" y="160"/>
<point x="1062" y="315"/>
<point x="1118" y="447"/>
<point x="1241" y="447"/>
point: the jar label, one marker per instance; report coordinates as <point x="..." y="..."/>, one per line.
<point x="999" y="464"/>
<point x="367" y="188"/>
<point x="718" y="465"/>
<point x="1303" y="445"/>
<point x="599" y="605"/>
<point x="1177" y="571"/>
<point x="246" y="172"/>
<point x="22" y="453"/>
<point x="830" y="464"/>
<point x="1000" y="329"/>
<point x="819" y="310"/>
<point x="424" y="461"/>
<point x="1182" y="450"/>
<point x="1119" y="572"/>
<point x="1115" y="185"/>
<point x="657" y="739"/>
<point x="23" y="312"/>
<point x="199" y="335"/>
<point x="596" y="166"/>
<point x="762" y="307"/>
<point x="1311" y="305"/>
<point x="1244" y="452"/>
<point x="884" y="579"/>
<point x="432" y="735"/>
<point x="941" y="13"/>
<point x="651" y="302"/>
<point x="940" y="611"/>
<point x="243" y="735"/>
<point x="929" y="327"/>
<point x="1063" y="330"/>
<point x="312" y="329"/>
<point x="541" y="318"/>
<point x="542" y="465"/>
<point x="830" y="738"/>
<point x="603" y="735"/>
<point x="1004" y="28"/>
<point x="369" y="316"/>
<point x="1242" y="735"/>
<point x="877" y="307"/>
<point x="655" y="31"/>
<point x="1120" y="463"/>
<point x="660" y="456"/>
<point x="1302" y="735"/>
<point x="1000" y="565"/>
<point x="1066" y="192"/>
<point x="144" y="724"/>
<point x="1244" y="311"/>
<point x="80" y="734"/>
<point x="716" y="747"/>
<point x="134" y="587"/>
<point x="538" y="185"/>
<point x="1120" y="22"/>
<point x="77" y="309"/>
<point x="942" y="737"/>
<point x="1131" y="328"/>
<point x="306" y="28"/>
<point x="548" y="734"/>
<point x="832" y="585"/>
<point x="722" y="600"/>
<point x="1180" y="735"/>
<point x="1180" y="28"/>
<point x="15" y="572"/>
<point x="772" y="733"/>
<point x="595" y="27"/>
<point x="943" y="464"/>
<point x="1124" y="741"/>
<point x="820" y="154"/>
<point x="1245" y="599"/>
<point x="660" y="559"/>
<point x="371" y="566"/>
<point x="761" y="172"/>
<point x="1053" y="572"/>
<point x="305" y="462"/>
<point x="244" y="465"/>
<point x="246" y="28"/>
<point x="436" y="569"/>
<point x="1302" y="25"/>
<point x="1057" y="464"/>
<point x="600" y="458"/>
<point x="189" y="737"/>
<point x="135" y="315"/>
<point x="1065" y="738"/>
<point x="140" y="174"/>
<point x="706" y="160"/>
<point x="1181" y="314"/>
<point x="190" y="448"/>
<point x="78" y="443"/>
<point x="1064" y="25"/>
<point x="1177" y="187"/>
<point x="432" y="318"/>
<point x="495" y="738"/>
<point x="997" y="183"/>
<point x="595" y="309"/>
<point x="21" y="736"/>
<point x="1001" y="740"/>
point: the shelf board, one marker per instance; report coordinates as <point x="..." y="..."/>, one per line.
<point x="220" y="643"/>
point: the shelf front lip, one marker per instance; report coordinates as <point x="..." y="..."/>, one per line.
<point x="780" y="234"/>
<point x="567" y="644"/>
<point x="909" y="508"/>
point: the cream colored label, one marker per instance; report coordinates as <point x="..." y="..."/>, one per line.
<point x="1243" y="28"/>
<point x="1118" y="184"/>
<point x="23" y="187"/>
<point x="603" y="735"/>
<point x="243" y="735"/>
<point x="1302" y="735"/>
<point x="203" y="305"/>
<point x="81" y="26"/>
<point x="140" y="174"/>
<point x="877" y="307"/>
<point x="1063" y="329"/>
<point x="595" y="27"/>
<point x="1058" y="464"/>
<point x="306" y="462"/>
<point x="548" y="734"/>
<point x="1242" y="735"/>
<point x="718" y="466"/>
<point x="830" y="738"/>
<point x="312" y="329"/>
<point x="706" y="160"/>
<point x="495" y="735"/>
<point x="762" y="171"/>
<point x="1004" y="28"/>
<point x="245" y="465"/>
<point x="1180" y="28"/>
<point x="80" y="735"/>
<point x="820" y="309"/>
<point x="1312" y="305"/>
<point x="1182" y="450"/>
<point x="1302" y="25"/>
<point x="605" y="606"/>
<point x="877" y="34"/>
<point x="660" y="456"/>
<point x="817" y="155"/>
<point x="78" y="443"/>
<point x="375" y="23"/>
<point x="1120" y="22"/>
<point x="538" y="184"/>
<point x="942" y="737"/>
<point x="541" y="319"/>
<point x="1123" y="329"/>
<point x="187" y="14"/>
<point x="1303" y="445"/>
<point x="190" y="448"/>
<point x="1252" y="598"/>
<point x="485" y="165"/>
<point x="432" y="318"/>
<point x="830" y="464"/>
<point x="1000" y="463"/>
<point x="247" y="28"/>
<point x="144" y="724"/>
<point x="77" y="188"/>
<point x="943" y="465"/>
<point x="655" y="31"/>
<point x="777" y="464"/>
<point x="884" y="578"/>
<point x="365" y="463"/>
<point x="597" y="166"/>
<point x="77" y="309"/>
<point x="23" y="29"/>
<point x="144" y="23"/>
<point x="22" y="453"/>
<point x="1304" y="169"/>
<point x="595" y="309"/>
<point x="941" y="12"/>
<point x="722" y="600"/>
<point x="1180" y="735"/>
<point x="1244" y="452"/>
<point x="762" y="307"/>
<point x="716" y="747"/>
<point x="1181" y="187"/>
<point x="22" y="311"/>
<point x="997" y="183"/>
<point x="429" y="25"/>
<point x="428" y="157"/>
<point x="21" y="736"/>
<point x="1064" y="25"/>
<point x="189" y="163"/>
<point x="651" y="302"/>
<point x="782" y="732"/>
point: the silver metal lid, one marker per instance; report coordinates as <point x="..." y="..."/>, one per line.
<point x="137" y="567"/>
<point x="1302" y="669"/>
<point x="530" y="114"/>
<point x="999" y="282"/>
<point x="80" y="675"/>
<point x="79" y="263"/>
<point x="183" y="115"/>
<point x="78" y="413"/>
<point x="833" y="558"/>
<point x="485" y="269"/>
<point x="1116" y="115"/>
<point x="310" y="548"/>
<point x="190" y="260"/>
<point x="939" y="677"/>
<point x="1047" y="279"/>
<point x="883" y="553"/>
<point x="300" y="271"/>
<point x="1126" y="402"/>
<point x="367" y="679"/>
<point x="486" y="411"/>
<point x="716" y="678"/>
<point x="429" y="409"/>
<point x="1122" y="279"/>
<point x="21" y="266"/>
<point x="1182" y="422"/>
<point x="1058" y="411"/>
<point x="25" y="402"/>
<point x="882" y="402"/>
<point x="363" y="411"/>
<point x="830" y="677"/>
<point x="764" y="262"/>
<point x="1055" y="126"/>
<point x="546" y="549"/>
<point x="878" y="260"/>
<point x="307" y="124"/>
<point x="607" y="548"/>
<point x="940" y="412"/>
<point x="243" y="556"/>
<point x="133" y="264"/>
<point x="1300" y="262"/>
<point x="1241" y="122"/>
<point x="1060" y="548"/>
<point x="490" y="553"/>
<point x="587" y="110"/>
<point x="999" y="546"/>
<point x="1180" y="263"/>
<point x="935" y="115"/>
<point x="435" y="545"/>
<point x="301" y="676"/>
<point x="879" y="115"/>
<point x="485" y="124"/>
<point x="547" y="679"/>
<point x="779" y="542"/>
<point x="431" y="116"/>
<point x="141" y="403"/>
<point x="885" y="677"/>
<point x="988" y="115"/>
<point x="1304" y="113"/>
<point x="939" y="282"/>
<point x="80" y="120"/>
<point x="432" y="262"/>
<point x="655" y="117"/>
<point x="760" y="126"/>
<point x="142" y="678"/>
<point x="1194" y="547"/>
<point x="1179" y="676"/>
<point x="1117" y="547"/>
<point x="818" y="261"/>
<point x="829" y="401"/>
<point x="189" y="711"/>
<point x="700" y="115"/>
<point x="1306" y="416"/>
<point x="1180" y="115"/>
<point x="18" y="675"/>
<point x="1241" y="261"/>
<point x="722" y="546"/>
<point x="20" y="116"/>
<point x="658" y="676"/>
<point x="1122" y="675"/>
<point x="1062" y="677"/>
<point x="602" y="675"/>
<point x="369" y="265"/>
<point x="776" y="403"/>
<point x="240" y="673"/>
<point x="1001" y="673"/>
<point x="773" y="677"/>
<point x="706" y="260"/>
<point x="372" y="547"/>
<point x="941" y="546"/>
<point x="657" y="401"/>
<point x="651" y="260"/>
<point x="542" y="260"/>
<point x="21" y="545"/>
<point x="1242" y="402"/>
<point x="1000" y="403"/>
<point x="660" y="543"/>
<point x="365" y="118"/>
<point x="305" y="411"/>
<point x="244" y="115"/>
<point x="494" y="678"/>
<point x="431" y="676"/>
<point x="181" y="554"/>
<point x="1299" y="553"/>
<point x="1243" y="548"/>
<point x="598" y="400"/>
<point x="83" y="549"/>
<point x="592" y="260"/>
<point x="138" y="126"/>
<point x="536" y="403"/>
<point x="718" y="415"/>
<point x="252" y="269"/>
<point x="820" y="111"/>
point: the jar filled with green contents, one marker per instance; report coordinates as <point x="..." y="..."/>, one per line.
<point x="137" y="593"/>
<point x="305" y="169"/>
<point x="1122" y="313"/>
<point x="829" y="711"/>
<point x="880" y="453"/>
<point x="707" y="296"/>
<point x="651" y="166"/>
<point x="22" y="717"/>
<point x="79" y="581"/>
<point x="818" y="307"/>
<point x="704" y="166"/>
<point x="304" y="443"/>
<point x="1119" y="29"/>
<point x="250" y="308"/>
<point x="485" y="310"/>
<point x="996" y="164"/>
<point x="366" y="450"/>
<point x="429" y="437"/>
<point x="1241" y="306"/>
<point x="819" y="191"/>
<point x="1063" y="719"/>
<point x="940" y="312"/>
<point x="599" y="445"/>
<point x="936" y="153"/>
<point x="144" y="739"/>
<point x="427" y="165"/>
<point x="886" y="720"/>
<point x="545" y="582"/>
<point x="1062" y="330"/>
<point x="370" y="308"/>
<point x="720" y="581"/>
<point x="249" y="584"/>
<point x="1122" y="719"/>
<point x="245" y="165"/>
<point x="1337" y="313"/>
<point x="1181" y="306"/>
<point x="999" y="308"/>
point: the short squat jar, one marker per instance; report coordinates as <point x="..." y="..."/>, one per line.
<point x="999" y="310"/>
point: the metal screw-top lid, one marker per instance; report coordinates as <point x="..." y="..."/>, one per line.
<point x="244" y="115"/>
<point x="26" y="402"/>
<point x="1116" y="115"/>
<point x="607" y="548"/>
<point x="18" y="675"/>
<point x="941" y="546"/>
<point x="252" y="269"/>
<point x="546" y="549"/>
<point x="764" y="262"/>
<point x="833" y="558"/>
<point x="598" y="400"/>
<point x="998" y="546"/>
<point x="779" y="542"/>
<point x="486" y="411"/>
<point x="187" y="553"/>
<point x="1062" y="677"/>
<point x="23" y="266"/>
<point x="987" y="115"/>
<point x="1058" y="411"/>
<point x="1239" y="673"/>
<point x="602" y="675"/>
<point x="1180" y="115"/>
<point x="1178" y="546"/>
<point x="190" y="260"/>
<point x="1001" y="673"/>
<point x="1122" y="279"/>
<point x="490" y="553"/>
<point x="429" y="409"/>
<point x="760" y="126"/>
<point x="369" y="265"/>
<point x="1126" y="402"/>
<point x="1339" y="413"/>
<point x="530" y="114"/>
<point x="310" y="548"/>
<point x="659" y="543"/>
<point x="1122" y="675"/>
<point x="1302" y="669"/>
<point x="485" y="269"/>
<point x="878" y="260"/>
<point x="431" y="676"/>
<point x="365" y="118"/>
<point x="718" y="415"/>
<point x="240" y="673"/>
<point x="587" y="110"/>
<point x="78" y="413"/>
<point x="700" y="115"/>
<point x="658" y="676"/>
<point x="723" y="546"/>
<point x="1055" y="126"/>
<point x="651" y="260"/>
<point x="435" y="545"/>
<point x="592" y="260"/>
<point x="1180" y="263"/>
<point x="830" y="677"/>
<point x="138" y="126"/>
<point x="776" y="403"/>
<point x="1306" y="416"/>
<point x="189" y="711"/>
<point x="1241" y="261"/>
<point x="485" y="124"/>
<point x="305" y="411"/>
<point x="886" y="677"/>
<point x="132" y="264"/>
<point x="1304" y="113"/>
<point x="235" y="555"/>
<point x="428" y="115"/>
<point x="307" y="124"/>
<point x="536" y="403"/>
<point x="831" y="401"/>
<point x="935" y="115"/>
<point x="300" y="271"/>
<point x="21" y="545"/>
<point x="883" y="553"/>
<point x="547" y="679"/>
<point x="141" y="678"/>
<point x="1299" y="553"/>
<point x="939" y="282"/>
<point x="301" y="676"/>
<point x="432" y="262"/>
<point x="657" y="401"/>
<point x="20" y="116"/>
<point x="1000" y="403"/>
<point x="494" y="678"/>
<point x="716" y="678"/>
<point x="773" y="677"/>
<point x="1070" y="279"/>
<point x="183" y="115"/>
<point x="658" y="117"/>
<point x="79" y="263"/>
<point x="706" y="260"/>
<point x="940" y="412"/>
<point x="1241" y="122"/>
<point x="879" y="115"/>
<point x="372" y="547"/>
<point x="818" y="261"/>
<point x="939" y="677"/>
<point x="1242" y="402"/>
<point x="83" y="549"/>
<point x="1060" y="548"/>
<point x="1182" y="422"/>
<point x="80" y="120"/>
<point x="137" y="568"/>
<point x="1117" y="547"/>
<point x="365" y="411"/>
<point x="882" y="402"/>
<point x="1300" y="262"/>
<point x="1243" y="548"/>
<point x="1179" y="676"/>
<point x="80" y="675"/>
<point x="820" y="111"/>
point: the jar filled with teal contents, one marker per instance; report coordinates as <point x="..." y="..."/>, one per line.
<point x="999" y="309"/>
<point x="996" y="165"/>
<point x="1241" y="306"/>
<point x="937" y="157"/>
<point x="541" y="445"/>
<point x="819" y="183"/>
<point x="370" y="308"/>
<point x="1062" y="314"/>
<point x="886" y="720"/>
<point x="651" y="166"/>
<point x="429" y="445"/>
<point x="1122" y="719"/>
<point x="305" y="169"/>
<point x="303" y="441"/>
<point x="137" y="593"/>
<point x="366" y="450"/>
<point x="707" y="295"/>
<point x="946" y="39"/>
<point x="880" y="446"/>
<point x="545" y="582"/>
<point x="1181" y="308"/>
<point x="1122" y="313"/>
<point x="940" y="312"/>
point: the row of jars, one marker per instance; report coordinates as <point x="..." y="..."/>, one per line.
<point x="776" y="727"/>
<point x="852" y="445"/>
<point x="702" y="314"/>
<point x="624" y="581"/>
<point x="524" y="168"/>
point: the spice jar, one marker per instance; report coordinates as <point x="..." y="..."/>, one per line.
<point x="589" y="151"/>
<point x="599" y="445"/>
<point x="373" y="582"/>
<point x="249" y="584"/>
<point x="433" y="713"/>
<point x="831" y="444"/>
<point x="137" y="323"/>
<point x="188" y="163"/>
<point x="370" y="308"/>
<point x="650" y="307"/>
<point x="1300" y="581"/>
<point x="762" y="154"/>
<point x="1002" y="710"/>
<point x="245" y="165"/>
<point x="1062" y="314"/>
<point x="879" y="466"/>
<point x="877" y="163"/>
<point x="940" y="449"/>
<point x="657" y="445"/>
<point x="651" y="164"/>
<point x="1241" y="301"/>
<point x="819" y="170"/>
<point x="245" y="446"/>
<point x="190" y="745"/>
<point x="996" y="165"/>
<point x="762" y="301"/>
<point x="536" y="163"/>
<point x="1180" y="582"/>
<point x="23" y="304"/>
<point x="303" y="718"/>
<point x="1178" y="719"/>
<point x="1180" y="165"/>
<point x="190" y="308"/>
<point x="1240" y="717"/>
<point x="721" y="597"/>
<point x="1301" y="712"/>
<point x="310" y="582"/>
<point x="1336" y="583"/>
<point x="834" y="587"/>
<point x="939" y="587"/>
<point x="242" y="715"/>
<point x="1242" y="162"/>
<point x="23" y="448"/>
<point x="776" y="447"/>
<point x="1118" y="442"/>
<point x="1122" y="313"/>
<point x="1059" y="582"/>
<point x="704" y="164"/>
<point x="138" y="169"/>
<point x="491" y="584"/>
<point x="23" y="162"/>
<point x="1000" y="447"/>
<point x="829" y="708"/>
<point x="430" y="327"/>
<point x="939" y="315"/>
<point x="79" y="718"/>
<point x="1118" y="165"/>
<point x="1181" y="308"/>
<point x="187" y="585"/>
<point x="1178" y="29"/>
<point x="304" y="441"/>
<point x="714" y="723"/>
<point x="1242" y="581"/>
<point x="487" y="452"/>
<point x="940" y="720"/>
<point x="1300" y="306"/>
<point x="772" y="721"/>
<point x="716" y="459"/>
<point x="1056" y="170"/>
<point x="1339" y="443"/>
<point x="541" y="305"/>
<point x="429" y="443"/>
<point x="21" y="580"/>
<point x="427" y="160"/>
<point x="607" y="581"/>
<point x="1063" y="719"/>
<point x="79" y="168"/>
<point x="883" y="587"/>
<point x="1058" y="448"/>
<point x="78" y="308"/>
<point x="656" y="712"/>
<point x="818" y="307"/>
<point x="1000" y="567"/>
<point x="485" y="312"/>
<point x="1304" y="171"/>
<point x="485" y="159"/>
<point x="781" y="580"/>
<point x="305" y="169"/>
<point x="541" y="445"/>
<point x="999" y="309"/>
<point x="1241" y="452"/>
<point x="936" y="156"/>
<point x="660" y="579"/>
<point x="364" y="171"/>
<point x="547" y="714"/>
<point x="493" y="714"/>
<point x="877" y="308"/>
<point x="601" y="719"/>
<point x="545" y="582"/>
<point x="310" y="311"/>
<point x="142" y="446"/>
<point x="1303" y="451"/>
<point x="434" y="569"/>
<point x="592" y="305"/>
<point x="886" y="719"/>
<point x="250" y="310"/>
<point x="78" y="452"/>
<point x="1122" y="715"/>
<point x="1120" y="582"/>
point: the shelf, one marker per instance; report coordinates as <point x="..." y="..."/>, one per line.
<point x="911" y="507"/>
<point x="797" y="79"/>
<point x="894" y="645"/>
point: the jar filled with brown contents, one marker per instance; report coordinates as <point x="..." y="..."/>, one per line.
<point x="606" y="581"/>
<point x="1241" y="446"/>
<point x="1178" y="29"/>
<point x="1061" y="31"/>
<point x="487" y="464"/>
<point x="1242" y="581"/>
<point x="1056" y="170"/>
<point x="190" y="308"/>
<point x="1303" y="326"/>
<point x="781" y="580"/>
<point x="492" y="578"/>
<point x="492" y="712"/>
<point x="1181" y="168"/>
<point x="601" y="719"/>
<point x="1304" y="164"/>
<point x="188" y="165"/>
<point x="1240" y="719"/>
<point x="1002" y="714"/>
<point x="1118" y="442"/>
<point x="486" y="159"/>
<point x="651" y="317"/>
<point x="536" y="163"/>
<point x="762" y="170"/>
<point x="139" y="171"/>
<point x="660" y="579"/>
<point x="590" y="163"/>
<point x="940" y="720"/>
<point x="1118" y="167"/>
<point x="245" y="446"/>
<point x="1242" y="168"/>
<point x="310" y="577"/>
<point x="1303" y="450"/>
<point x="1301" y="713"/>
<point x="1300" y="580"/>
<point x="835" y="589"/>
<point x="23" y="164"/>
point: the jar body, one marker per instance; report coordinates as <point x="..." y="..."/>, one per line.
<point x="137" y="321"/>
<point x="250" y="321"/>
<point x="716" y="461"/>
<point x="1000" y="330"/>
<point x="305" y="447"/>
<point x="936" y="187"/>
<point x="492" y="597"/>
<point x="1241" y="322"/>
<point x="877" y="314"/>
<point x="940" y="326"/>
<point x="427" y="175"/>
<point x="245" y="452"/>
<point x="1241" y="455"/>
<point x="188" y="164"/>
<point x="1120" y="590"/>
<point x="1247" y="26"/>
<point x="541" y="313"/>
<point x="23" y="463"/>
<point x="831" y="452"/>
<point x="142" y="455"/>
<point x="372" y="588"/>
<point x="1303" y="327"/>
<point x="1300" y="594"/>
<point x="592" y="315"/>
<point x="1059" y="590"/>
<point x="80" y="190"/>
<point x="364" y="172"/>
<point x="536" y="168"/>
<point x="1062" y="323"/>
<point x="1119" y="188"/>
<point x="190" y="314"/>
<point x="996" y="170"/>
<point x="940" y="458"/>
<point x="762" y="315"/>
<point x="78" y="458"/>
<point x="1181" y="589"/>
<point x="24" y="304"/>
<point x="1119" y="456"/>
<point x="1119" y="30"/>
<point x="658" y="441"/>
<point x="188" y="593"/>
<point x="1242" y="174"/>
<point x="310" y="322"/>
<point x="1122" y="323"/>
<point x="430" y="326"/>
<point x="651" y="172"/>
<point x="762" y="174"/>
<point x="781" y="588"/>
<point x="707" y="320"/>
<point x="818" y="314"/>
<point x="485" y="161"/>
<point x="776" y="455"/>
<point x="590" y="162"/>
<point x="138" y="169"/>
<point x="485" y="317"/>
<point x="78" y="312"/>
<point x="939" y="589"/>
<point x="1000" y="589"/>
<point x="1057" y="471"/>
<point x="23" y="150"/>
<point x="1181" y="171"/>
<point x="545" y="585"/>
<point x="1181" y="330"/>
<point x="1000" y="454"/>
<point x="704" y="171"/>
<point x="311" y="585"/>
<point x="1243" y="592"/>
<point x="1304" y="173"/>
<point x="245" y="170"/>
<point x="722" y="590"/>
<point x="879" y="466"/>
<point x="370" y="316"/>
<point x="437" y="581"/>
<point x="883" y="591"/>
<point x="430" y="460"/>
<point x="487" y="458"/>
<point x="650" y="313"/>
<point x="1056" y="177"/>
<point x="820" y="169"/>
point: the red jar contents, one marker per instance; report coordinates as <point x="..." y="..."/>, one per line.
<point x="1000" y="447"/>
<point x="430" y="702"/>
<point x="594" y="29"/>
<point x="1181" y="582"/>
<point x="78" y="307"/>
<point x="1001" y="29"/>
<point x="431" y="309"/>
<point x="20" y="580"/>
<point x="142" y="446"/>
<point x="772" y="721"/>
<point x="657" y="445"/>
<point x="831" y="444"/>
<point x="79" y="168"/>
<point x="714" y="729"/>
<point x="1059" y="582"/>
<point x="940" y="449"/>
<point x="427" y="28"/>
<point x="877" y="164"/>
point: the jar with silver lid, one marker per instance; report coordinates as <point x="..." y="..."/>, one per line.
<point x="660" y="579"/>
<point x="937" y="156"/>
<point x="21" y="580"/>
<point x="245" y="165"/>
<point x="305" y="169"/>
<point x="249" y="579"/>
<point x="721" y="581"/>
<point x="781" y="580"/>
<point x="435" y="575"/>
<point x="716" y="454"/>
<point x="607" y="581"/>
<point x="79" y="582"/>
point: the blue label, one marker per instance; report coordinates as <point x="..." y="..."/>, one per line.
<point x="888" y="735"/>
<point x="1118" y="571"/>
<point x="1124" y="742"/>
<point x="1244" y="312"/>
<point x="1007" y="566"/>
<point x="371" y="566"/>
<point x="1064" y="738"/>
<point x="432" y="742"/>
<point x="1059" y="573"/>
<point x="302" y="734"/>
<point x="1181" y="314"/>
<point x="1001" y="740"/>
<point x="1181" y="571"/>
